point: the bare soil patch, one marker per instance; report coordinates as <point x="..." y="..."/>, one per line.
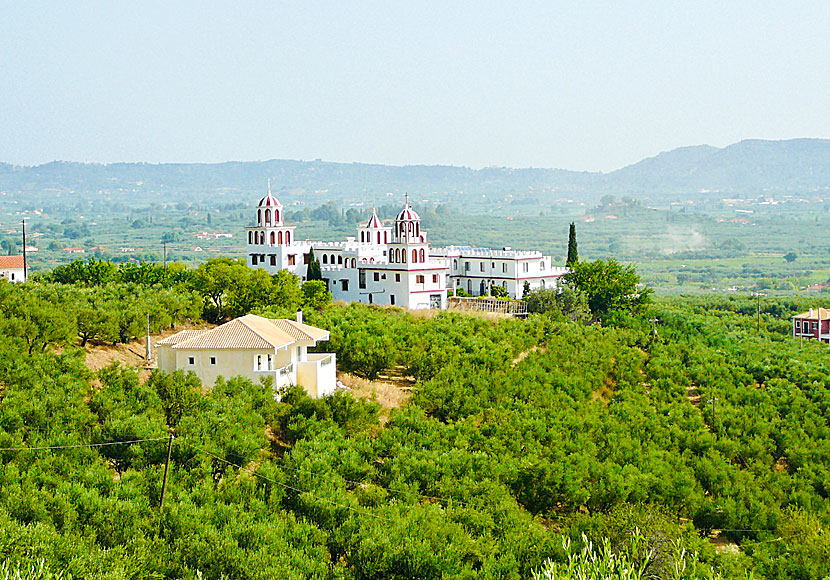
<point x="99" y="356"/>
<point x="390" y="392"/>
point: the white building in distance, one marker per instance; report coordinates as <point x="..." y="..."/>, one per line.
<point x="394" y="264"/>
<point x="12" y="268"/>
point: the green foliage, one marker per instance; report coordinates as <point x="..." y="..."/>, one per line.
<point x="573" y="251"/>
<point x="564" y="300"/>
<point x="518" y="432"/>
<point x="609" y="286"/>
<point x="313" y="271"/>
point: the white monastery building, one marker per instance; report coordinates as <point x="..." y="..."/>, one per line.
<point x="394" y="264"/>
<point x="254" y="347"/>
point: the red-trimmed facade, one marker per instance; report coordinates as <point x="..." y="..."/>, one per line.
<point x="813" y="324"/>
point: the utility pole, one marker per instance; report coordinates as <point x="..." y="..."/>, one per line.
<point x="654" y="322"/>
<point x="758" y="296"/>
<point x="713" y="400"/>
<point x="148" y="353"/>
<point x="166" y="468"/>
<point x="25" y="264"/>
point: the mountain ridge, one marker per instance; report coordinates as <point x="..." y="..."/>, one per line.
<point x="748" y="166"/>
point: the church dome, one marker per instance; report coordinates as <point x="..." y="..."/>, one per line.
<point x="269" y="201"/>
<point x="374" y="221"/>
<point x="407" y="213"/>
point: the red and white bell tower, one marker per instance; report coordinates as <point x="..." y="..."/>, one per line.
<point x="409" y="243"/>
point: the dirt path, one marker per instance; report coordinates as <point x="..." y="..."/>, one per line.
<point x="390" y="392"/>
<point x="525" y="354"/>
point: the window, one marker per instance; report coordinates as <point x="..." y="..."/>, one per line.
<point x="481" y="266"/>
<point x="273" y="259"/>
<point x="361" y="281"/>
<point x="299" y="352"/>
<point x="525" y="267"/>
<point x="392" y="299"/>
<point x="371" y="300"/>
<point x="435" y="278"/>
<point x="542" y="265"/>
<point x="259" y="362"/>
<point x="253" y="259"/>
<point x="344" y="285"/>
<point x="504" y="266"/>
<point x="377" y="277"/>
<point x="397" y="277"/>
<point x="419" y="279"/>
<point x="455" y="264"/>
<point x="305" y="259"/>
<point x="466" y="266"/>
<point x="191" y="360"/>
<point x="292" y="259"/>
<point x="493" y="265"/>
<point x="325" y="259"/>
<point x="421" y="255"/>
<point x="798" y="325"/>
<point x="270" y="363"/>
<point x="213" y="361"/>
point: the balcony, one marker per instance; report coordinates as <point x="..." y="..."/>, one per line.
<point x="318" y="374"/>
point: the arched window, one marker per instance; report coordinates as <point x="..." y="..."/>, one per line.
<point x="262" y="237"/>
<point x="354" y="262"/>
<point x="469" y="286"/>
<point x="259" y="216"/>
<point x="250" y="237"/>
<point x="414" y="256"/>
<point x="287" y="237"/>
<point x="362" y="237"/>
<point x="276" y="216"/>
<point x="542" y="284"/>
<point x="421" y="255"/>
<point x="267" y="216"/>
<point x="385" y="239"/>
<point x="279" y="237"/>
<point x="331" y="258"/>
<point x="455" y="264"/>
<point x="325" y="259"/>
<point x="541" y="264"/>
<point x="403" y="256"/>
<point x="273" y="238"/>
<point x="417" y="228"/>
<point x="378" y="237"/>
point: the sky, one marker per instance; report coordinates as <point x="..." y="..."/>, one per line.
<point x="577" y="85"/>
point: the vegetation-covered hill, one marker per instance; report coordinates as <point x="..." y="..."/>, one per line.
<point x="794" y="166"/>
<point x="519" y="434"/>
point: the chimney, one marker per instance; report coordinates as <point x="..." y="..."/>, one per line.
<point x="300" y="316"/>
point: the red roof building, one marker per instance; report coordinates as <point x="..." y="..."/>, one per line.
<point x="815" y="324"/>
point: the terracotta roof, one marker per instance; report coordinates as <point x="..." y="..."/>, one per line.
<point x="11" y="261"/>
<point x="179" y="337"/>
<point x="301" y="331"/>
<point x="251" y="332"/>
<point x="815" y="314"/>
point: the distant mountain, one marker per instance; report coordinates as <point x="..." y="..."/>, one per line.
<point x="750" y="166"/>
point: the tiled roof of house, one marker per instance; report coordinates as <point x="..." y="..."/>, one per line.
<point x="179" y="337"/>
<point x="301" y="331"/>
<point x="815" y="314"/>
<point x="11" y="261"/>
<point x="249" y="332"/>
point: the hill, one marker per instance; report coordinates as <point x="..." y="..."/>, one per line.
<point x="750" y="166"/>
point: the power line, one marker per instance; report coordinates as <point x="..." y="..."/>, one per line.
<point x="130" y="442"/>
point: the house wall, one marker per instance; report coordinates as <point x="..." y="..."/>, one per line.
<point x="234" y="362"/>
<point x="12" y="274"/>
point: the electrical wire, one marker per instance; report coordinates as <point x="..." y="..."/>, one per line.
<point x="51" y="447"/>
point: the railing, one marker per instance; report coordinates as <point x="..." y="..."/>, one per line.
<point x="516" y="308"/>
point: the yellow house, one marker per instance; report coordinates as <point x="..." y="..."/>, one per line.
<point x="253" y="347"/>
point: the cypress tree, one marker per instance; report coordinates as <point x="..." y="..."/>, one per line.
<point x="573" y="253"/>
<point x="313" y="272"/>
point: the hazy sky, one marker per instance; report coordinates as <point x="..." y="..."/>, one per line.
<point x="577" y="85"/>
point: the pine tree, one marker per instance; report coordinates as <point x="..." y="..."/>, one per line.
<point x="313" y="272"/>
<point x="573" y="253"/>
